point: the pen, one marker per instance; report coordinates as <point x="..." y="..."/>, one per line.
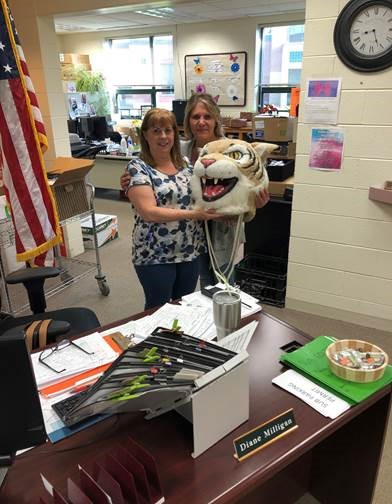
<point x="248" y="306"/>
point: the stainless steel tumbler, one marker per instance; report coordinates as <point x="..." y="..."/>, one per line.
<point x="227" y="312"/>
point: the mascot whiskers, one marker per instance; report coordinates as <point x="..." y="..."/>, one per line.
<point x="227" y="177"/>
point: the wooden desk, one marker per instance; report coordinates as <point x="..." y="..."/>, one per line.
<point x="336" y="460"/>
<point x="237" y="132"/>
<point x="278" y="188"/>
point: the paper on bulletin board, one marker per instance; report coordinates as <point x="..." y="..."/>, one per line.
<point x="321" y="104"/>
<point x="223" y="75"/>
<point x="326" y="149"/>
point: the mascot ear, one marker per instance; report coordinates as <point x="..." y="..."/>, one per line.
<point x="263" y="149"/>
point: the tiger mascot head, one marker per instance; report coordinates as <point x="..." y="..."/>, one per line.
<point x="228" y="174"/>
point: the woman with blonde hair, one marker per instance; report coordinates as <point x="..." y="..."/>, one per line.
<point x="202" y="124"/>
<point x="168" y="236"/>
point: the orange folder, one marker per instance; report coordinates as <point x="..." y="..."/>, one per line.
<point x="70" y="383"/>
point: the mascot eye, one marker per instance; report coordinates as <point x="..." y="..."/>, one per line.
<point x="234" y="155"/>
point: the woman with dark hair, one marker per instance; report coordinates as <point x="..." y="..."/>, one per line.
<point x="168" y="236"/>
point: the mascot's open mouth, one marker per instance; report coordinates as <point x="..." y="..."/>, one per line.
<point x="214" y="188"/>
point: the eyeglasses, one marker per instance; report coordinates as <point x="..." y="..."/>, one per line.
<point x="45" y="354"/>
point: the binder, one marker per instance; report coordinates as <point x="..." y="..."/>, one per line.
<point x="311" y="361"/>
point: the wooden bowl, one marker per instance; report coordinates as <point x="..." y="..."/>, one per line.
<point x="350" y="374"/>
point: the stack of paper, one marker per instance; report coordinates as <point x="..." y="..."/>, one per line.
<point x="80" y="369"/>
<point x="249" y="304"/>
<point x="73" y="360"/>
<point x="193" y="314"/>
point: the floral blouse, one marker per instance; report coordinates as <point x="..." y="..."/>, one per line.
<point x="165" y="242"/>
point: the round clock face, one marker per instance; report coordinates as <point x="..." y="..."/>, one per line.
<point x="371" y="30"/>
<point x="363" y="35"/>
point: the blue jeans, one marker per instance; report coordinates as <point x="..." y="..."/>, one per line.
<point x="207" y="276"/>
<point x="165" y="282"/>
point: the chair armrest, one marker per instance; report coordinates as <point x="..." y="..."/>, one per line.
<point x="31" y="274"/>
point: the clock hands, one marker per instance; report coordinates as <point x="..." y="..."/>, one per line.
<point x="374" y="33"/>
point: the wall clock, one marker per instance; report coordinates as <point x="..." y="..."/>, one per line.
<point x="363" y="35"/>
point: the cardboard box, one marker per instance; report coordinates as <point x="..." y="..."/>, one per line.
<point x="238" y="123"/>
<point x="8" y="249"/>
<point x="247" y="115"/>
<point x="74" y="58"/>
<point x="279" y="129"/>
<point x="106" y="227"/>
<point x="71" y="63"/>
<point x="72" y="239"/>
<point x="68" y="185"/>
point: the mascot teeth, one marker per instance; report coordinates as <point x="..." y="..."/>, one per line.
<point x="213" y="189"/>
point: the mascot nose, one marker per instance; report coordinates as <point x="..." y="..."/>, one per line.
<point x="207" y="162"/>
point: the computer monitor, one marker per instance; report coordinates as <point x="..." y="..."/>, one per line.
<point x="86" y="127"/>
<point x="21" y="421"/>
<point x="179" y="110"/>
<point x="100" y="128"/>
<point x="72" y="126"/>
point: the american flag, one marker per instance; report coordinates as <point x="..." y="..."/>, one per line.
<point x="22" y="143"/>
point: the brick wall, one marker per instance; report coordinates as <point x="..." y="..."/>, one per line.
<point x="340" y="260"/>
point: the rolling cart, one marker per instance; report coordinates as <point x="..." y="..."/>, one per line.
<point x="75" y="201"/>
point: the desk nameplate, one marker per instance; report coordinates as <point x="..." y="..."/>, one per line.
<point x="263" y="435"/>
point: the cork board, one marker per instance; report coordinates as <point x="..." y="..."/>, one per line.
<point x="223" y="75"/>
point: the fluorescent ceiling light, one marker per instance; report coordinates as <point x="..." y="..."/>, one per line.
<point x="164" y="12"/>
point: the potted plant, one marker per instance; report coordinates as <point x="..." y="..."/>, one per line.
<point x="93" y="83"/>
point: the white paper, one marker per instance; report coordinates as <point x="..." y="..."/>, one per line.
<point x="73" y="360"/>
<point x="138" y="329"/>
<point x="321" y="103"/>
<point x="249" y="304"/>
<point x="196" y="321"/>
<point x="312" y="394"/>
<point x="239" y="339"/>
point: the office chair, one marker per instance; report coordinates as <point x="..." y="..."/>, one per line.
<point x="88" y="151"/>
<point x="65" y="321"/>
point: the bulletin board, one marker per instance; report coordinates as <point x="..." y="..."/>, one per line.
<point x="223" y="75"/>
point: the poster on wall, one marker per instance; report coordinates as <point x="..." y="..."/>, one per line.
<point x="223" y="75"/>
<point x="326" y="149"/>
<point x="321" y="104"/>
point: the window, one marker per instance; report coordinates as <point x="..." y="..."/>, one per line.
<point x="140" y="73"/>
<point x="294" y="76"/>
<point x="296" y="33"/>
<point x="295" y="57"/>
<point x="281" y="54"/>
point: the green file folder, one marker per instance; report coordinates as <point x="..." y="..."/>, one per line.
<point x="311" y="361"/>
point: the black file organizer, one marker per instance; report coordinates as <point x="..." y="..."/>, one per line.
<point x="216" y="372"/>
<point x="263" y="277"/>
